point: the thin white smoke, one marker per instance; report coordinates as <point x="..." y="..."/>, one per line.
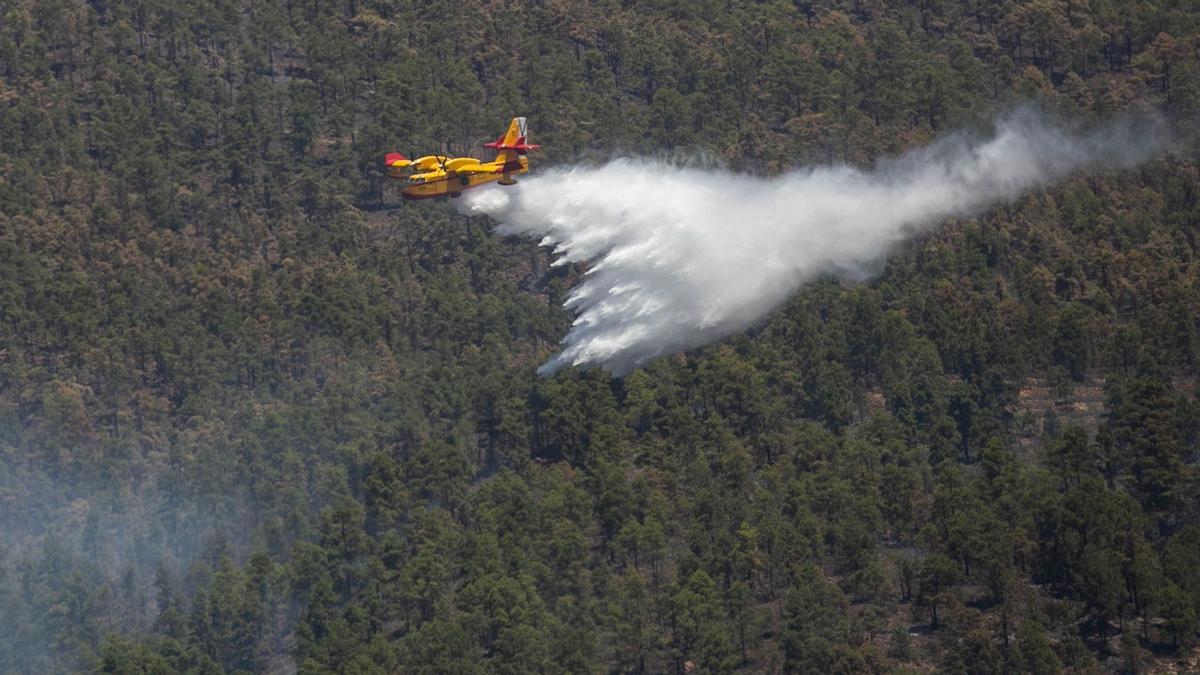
<point x="681" y="257"/>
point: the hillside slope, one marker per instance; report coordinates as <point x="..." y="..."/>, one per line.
<point x="256" y="415"/>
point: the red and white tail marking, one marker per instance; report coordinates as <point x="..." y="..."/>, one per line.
<point x="514" y="139"/>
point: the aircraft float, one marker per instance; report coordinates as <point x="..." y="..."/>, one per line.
<point x="440" y="176"/>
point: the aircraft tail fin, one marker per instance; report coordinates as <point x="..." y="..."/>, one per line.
<point x="512" y="144"/>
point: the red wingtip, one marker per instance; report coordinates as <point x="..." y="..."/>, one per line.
<point x="393" y="157"/>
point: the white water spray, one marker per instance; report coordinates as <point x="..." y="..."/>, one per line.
<point x="681" y="257"/>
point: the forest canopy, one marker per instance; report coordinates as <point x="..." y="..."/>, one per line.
<point x="258" y="416"/>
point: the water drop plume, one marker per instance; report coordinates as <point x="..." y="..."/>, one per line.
<point x="680" y="257"/>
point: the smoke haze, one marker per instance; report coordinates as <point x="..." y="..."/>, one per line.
<point x="681" y="257"/>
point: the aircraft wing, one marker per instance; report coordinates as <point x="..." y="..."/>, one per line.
<point x="429" y="162"/>
<point x="479" y="168"/>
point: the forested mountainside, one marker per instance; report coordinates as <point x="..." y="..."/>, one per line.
<point x="256" y="415"/>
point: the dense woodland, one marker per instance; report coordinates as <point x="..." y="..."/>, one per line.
<point x="257" y="415"/>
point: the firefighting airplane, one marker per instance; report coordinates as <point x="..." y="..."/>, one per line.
<point x="441" y="176"/>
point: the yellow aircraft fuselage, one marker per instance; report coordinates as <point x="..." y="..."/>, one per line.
<point x="441" y="183"/>
<point x="441" y="176"/>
